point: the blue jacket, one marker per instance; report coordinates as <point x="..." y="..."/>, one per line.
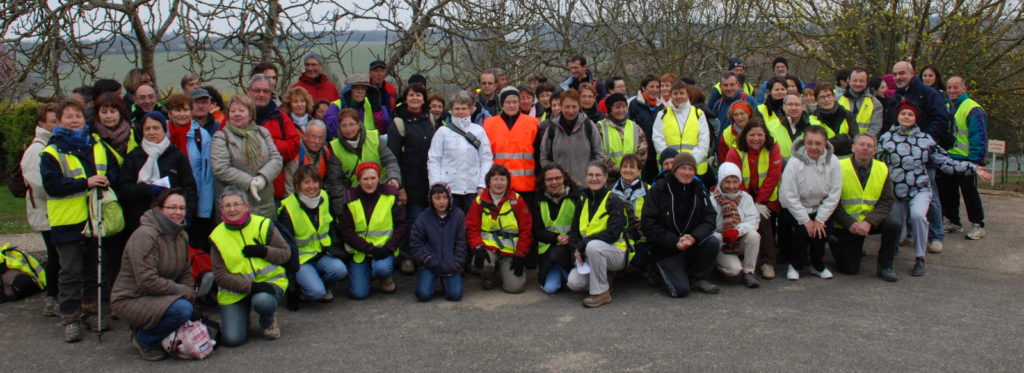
<point x="977" y="127"/>
<point x="57" y="185"/>
<point x="720" y="108"/>
<point x="202" y="171"/>
<point x="439" y="244"/>
<point x="934" y="119"/>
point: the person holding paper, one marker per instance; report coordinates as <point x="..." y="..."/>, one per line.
<point x="597" y="234"/>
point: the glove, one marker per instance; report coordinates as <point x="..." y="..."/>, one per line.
<point x="338" y="252"/>
<point x="254" y="251"/>
<point x="380" y="252"/>
<point x="255" y="185"/>
<point x="764" y="211"/>
<point x="262" y="287"/>
<point x="480" y="257"/>
<point x="518" y="264"/>
<point x="730" y="235"/>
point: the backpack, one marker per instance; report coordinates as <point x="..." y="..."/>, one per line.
<point x="190" y="342"/>
<point x="550" y="131"/>
<point x="16" y="180"/>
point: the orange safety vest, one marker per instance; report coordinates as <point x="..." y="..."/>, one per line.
<point x="304" y="159"/>
<point x="514" y="149"/>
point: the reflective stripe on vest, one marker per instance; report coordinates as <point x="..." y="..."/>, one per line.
<point x="763" y="161"/>
<point x="684" y="140"/>
<point x="617" y="145"/>
<point x="368" y="121"/>
<point x="500" y="229"/>
<point x="562" y="222"/>
<point x="844" y="128"/>
<point x="599" y="223"/>
<point x="229" y="244"/>
<point x="962" y="146"/>
<point x="858" y="201"/>
<point x="513" y="148"/>
<point x="310" y="240"/>
<point x="73" y="209"/>
<point x="778" y="131"/>
<point x="380" y="227"/>
<point x="27" y="264"/>
<point x="370" y="152"/>
<point x="867" y="107"/>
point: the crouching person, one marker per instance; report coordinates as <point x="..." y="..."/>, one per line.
<point x="372" y="224"/>
<point x="438" y="244"/>
<point x="307" y="213"/>
<point x="597" y="231"/>
<point x="498" y="227"/>
<point x="737" y="224"/>
<point x="248" y="260"/>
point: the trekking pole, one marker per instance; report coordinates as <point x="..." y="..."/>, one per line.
<point x="99" y="267"/>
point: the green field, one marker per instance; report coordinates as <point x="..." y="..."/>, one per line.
<point x="12" y="213"/>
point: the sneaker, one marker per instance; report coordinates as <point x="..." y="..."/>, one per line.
<point x="328" y="298"/>
<point x="407" y="267"/>
<point x="387" y="285"/>
<point x="205" y="284"/>
<point x="824" y="273"/>
<point x="935" y="247"/>
<point x="72" y="329"/>
<point x="750" y="281"/>
<point x="887" y="274"/>
<point x="705" y="287"/>
<point x="792" y="274"/>
<point x="976" y="232"/>
<point x="51" y="307"/>
<point x="918" y="268"/>
<point x="597" y="300"/>
<point x="272" y="332"/>
<point x="147" y="354"/>
<point x="767" y="271"/>
<point x="906" y="243"/>
<point x="952" y="227"/>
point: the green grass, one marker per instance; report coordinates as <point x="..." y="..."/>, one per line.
<point x="12" y="213"/>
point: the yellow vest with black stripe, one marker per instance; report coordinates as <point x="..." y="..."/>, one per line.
<point x="618" y="145"/>
<point x="687" y="139"/>
<point x="310" y="240"/>
<point x="867" y="107"/>
<point x="589" y="226"/>
<point x="378" y="230"/>
<point x="844" y="128"/>
<point x="562" y="222"/>
<point x="368" y="121"/>
<point x="230" y="243"/>
<point x="500" y="229"/>
<point x="763" y="162"/>
<point x="73" y="209"/>
<point x="962" y="145"/>
<point x="27" y="264"/>
<point x="858" y="201"/>
<point x="370" y="152"/>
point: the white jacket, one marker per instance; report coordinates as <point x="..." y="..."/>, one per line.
<point x="454" y="161"/>
<point x="35" y="200"/>
<point x="750" y="218"/>
<point x="810" y="186"/>
<point x="700" y="152"/>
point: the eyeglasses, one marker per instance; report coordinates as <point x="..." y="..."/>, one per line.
<point x="232" y="206"/>
<point x="260" y="90"/>
<point x="174" y="208"/>
<point x="825" y="96"/>
<point x="553" y="179"/>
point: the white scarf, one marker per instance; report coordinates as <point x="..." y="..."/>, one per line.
<point x="462" y="123"/>
<point x="150" y="171"/>
<point x="311" y="203"/>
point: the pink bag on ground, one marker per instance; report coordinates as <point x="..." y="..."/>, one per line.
<point x="190" y="342"/>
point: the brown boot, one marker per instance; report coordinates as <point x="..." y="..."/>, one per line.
<point x="597" y="300"/>
<point x="72" y="327"/>
<point x="387" y="285"/>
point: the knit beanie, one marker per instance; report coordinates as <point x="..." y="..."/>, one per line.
<point x="505" y="93"/>
<point x="313" y="56"/>
<point x="780" y="59"/>
<point x="684" y="159"/>
<point x="668" y="153"/>
<point x="158" y="116"/>
<point x="906" y="105"/>
<point x="367" y="165"/>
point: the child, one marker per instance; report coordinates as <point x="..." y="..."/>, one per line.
<point x="438" y="245"/>
<point x="633" y="190"/>
<point x="737" y="224"/>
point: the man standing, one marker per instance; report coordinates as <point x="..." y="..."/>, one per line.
<point x="970" y="144"/>
<point x="616" y="84"/>
<point x="282" y="130"/>
<point x="311" y="152"/>
<point x="388" y="92"/>
<point x="643" y="110"/>
<point x="580" y="73"/>
<point x="268" y="70"/>
<point x="730" y="86"/>
<point x="486" y="96"/>
<point x="780" y="66"/>
<point x="736" y="66"/>
<point x="858" y="100"/>
<point x="202" y="103"/>
<point x="314" y="80"/>
<point x="145" y="101"/>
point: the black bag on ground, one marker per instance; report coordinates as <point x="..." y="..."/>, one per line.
<point x="673" y="273"/>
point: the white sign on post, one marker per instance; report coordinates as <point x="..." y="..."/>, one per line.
<point x="995" y="147"/>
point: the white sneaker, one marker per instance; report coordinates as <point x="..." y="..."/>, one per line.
<point x="825" y="273"/>
<point x="950" y="227"/>
<point x="792" y="274"/>
<point x="935" y="247"/>
<point x="976" y="232"/>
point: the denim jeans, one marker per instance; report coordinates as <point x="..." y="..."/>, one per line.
<point x="360" y="274"/>
<point x="179" y="312"/>
<point x="316" y="276"/>
<point x="234" y="317"/>
<point x="554" y="280"/>
<point x="426" y="280"/>
<point x="935" y="231"/>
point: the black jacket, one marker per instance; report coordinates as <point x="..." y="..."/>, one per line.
<point x="672" y="210"/>
<point x="616" y="210"/>
<point x="411" y="151"/>
<point x="135" y="198"/>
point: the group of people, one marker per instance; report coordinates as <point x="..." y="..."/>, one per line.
<point x="265" y="197"/>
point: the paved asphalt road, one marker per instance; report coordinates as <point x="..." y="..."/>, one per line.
<point x="964" y="315"/>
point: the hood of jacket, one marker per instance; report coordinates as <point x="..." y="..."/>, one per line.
<point x="160" y="222"/>
<point x="799" y="152"/>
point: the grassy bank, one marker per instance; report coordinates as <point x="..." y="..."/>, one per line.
<point x="12" y="213"/>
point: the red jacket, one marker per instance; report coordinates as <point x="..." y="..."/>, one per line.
<point x="320" y="87"/>
<point x="523" y="219"/>
<point x="764" y="193"/>
<point x="287" y="144"/>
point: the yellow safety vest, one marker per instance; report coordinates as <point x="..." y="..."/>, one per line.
<point x="501" y="229"/>
<point x="962" y="146"/>
<point x="867" y="107"/>
<point x="618" y="145"/>
<point x="229" y="244"/>
<point x="378" y="230"/>
<point x="844" y="128"/>
<point x="562" y="222"/>
<point x="763" y="162"/>
<point x="687" y="139"/>
<point x="368" y="121"/>
<point x="310" y="240"/>
<point x="370" y="152"/>
<point x="132" y="144"/>
<point x="730" y="138"/>
<point x="589" y="227"/>
<point x="858" y="201"/>
<point x="747" y="87"/>
<point x="27" y="264"/>
<point x="73" y="209"/>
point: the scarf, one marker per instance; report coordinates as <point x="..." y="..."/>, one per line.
<point x="150" y="171"/>
<point x="567" y="125"/>
<point x="252" y="145"/>
<point x="632" y="191"/>
<point x="462" y="123"/>
<point x="729" y="202"/>
<point x="510" y="120"/>
<point x="775" y="106"/>
<point x="652" y="102"/>
<point x="116" y="137"/>
<point x="179" y="136"/>
<point x="301" y="122"/>
<point x="557" y="198"/>
<point x="311" y="203"/>
<point x="833" y="118"/>
<point x="236" y="224"/>
<point x="74" y="138"/>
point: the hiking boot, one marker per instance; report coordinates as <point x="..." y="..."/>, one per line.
<point x="792" y="274"/>
<point x="918" y="268"/>
<point x="935" y="247"/>
<point x="146" y="353"/>
<point x="952" y="227"/>
<point x="93" y="323"/>
<point x="205" y="284"/>
<point x="272" y="332"/>
<point x="407" y="267"/>
<point x="824" y="273"/>
<point x="597" y="300"/>
<point x="72" y="328"/>
<point x="328" y="297"/>
<point x="51" y="308"/>
<point x="887" y="274"/>
<point x="705" y="287"/>
<point x="906" y="243"/>
<point x="976" y="232"/>
<point x="750" y="281"/>
<point x="488" y="284"/>
<point x="387" y="285"/>
<point x="767" y="271"/>
<point x="90" y="305"/>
